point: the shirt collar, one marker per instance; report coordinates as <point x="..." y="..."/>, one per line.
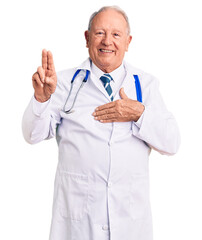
<point x="117" y="74"/>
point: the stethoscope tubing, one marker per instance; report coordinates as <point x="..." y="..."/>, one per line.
<point x="137" y="85"/>
<point x="68" y="111"/>
<point x="72" y="83"/>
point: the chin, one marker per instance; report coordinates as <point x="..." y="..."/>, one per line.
<point x="105" y="62"/>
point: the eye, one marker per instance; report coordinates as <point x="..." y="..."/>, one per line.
<point x="99" y="33"/>
<point x="117" y="35"/>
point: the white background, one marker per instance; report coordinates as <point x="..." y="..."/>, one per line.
<point x="167" y="42"/>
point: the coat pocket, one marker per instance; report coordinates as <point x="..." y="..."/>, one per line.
<point x="73" y="195"/>
<point x="139" y="197"/>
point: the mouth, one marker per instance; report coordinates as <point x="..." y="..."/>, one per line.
<point x="105" y="50"/>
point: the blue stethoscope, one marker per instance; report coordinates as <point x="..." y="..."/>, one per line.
<point x="137" y="85"/>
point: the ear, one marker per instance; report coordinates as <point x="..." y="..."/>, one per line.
<point x="86" y="34"/>
<point x="128" y="42"/>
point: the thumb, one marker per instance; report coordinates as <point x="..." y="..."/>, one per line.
<point x="48" y="80"/>
<point x="122" y="94"/>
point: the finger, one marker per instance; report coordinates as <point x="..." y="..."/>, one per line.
<point x="41" y="73"/>
<point x="115" y="119"/>
<point x="122" y="94"/>
<point x="106" y="106"/>
<point x="50" y="61"/>
<point x="36" y="79"/>
<point x="50" y="81"/>
<point x="44" y="59"/>
<point x="109" y="117"/>
<point x="109" y="121"/>
<point x="104" y="112"/>
<point x="49" y="73"/>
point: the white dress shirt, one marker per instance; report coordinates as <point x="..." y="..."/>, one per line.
<point x="118" y="76"/>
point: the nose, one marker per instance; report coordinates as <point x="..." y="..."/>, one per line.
<point x="107" y="39"/>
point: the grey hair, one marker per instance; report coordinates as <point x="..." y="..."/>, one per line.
<point x="116" y="8"/>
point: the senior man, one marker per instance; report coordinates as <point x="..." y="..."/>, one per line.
<point x="104" y="134"/>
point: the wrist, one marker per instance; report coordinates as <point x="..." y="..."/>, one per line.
<point x="140" y="111"/>
<point x="41" y="99"/>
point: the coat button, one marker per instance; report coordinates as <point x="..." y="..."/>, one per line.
<point x="109" y="184"/>
<point x="110" y="143"/>
<point x="105" y="227"/>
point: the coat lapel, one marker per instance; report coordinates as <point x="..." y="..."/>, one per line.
<point x="128" y="83"/>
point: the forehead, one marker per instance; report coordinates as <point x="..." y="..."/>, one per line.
<point x="109" y="19"/>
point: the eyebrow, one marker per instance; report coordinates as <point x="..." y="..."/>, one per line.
<point x="113" y="30"/>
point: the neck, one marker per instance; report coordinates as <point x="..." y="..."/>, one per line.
<point x="107" y="69"/>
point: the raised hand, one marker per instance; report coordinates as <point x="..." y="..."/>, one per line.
<point x="45" y="79"/>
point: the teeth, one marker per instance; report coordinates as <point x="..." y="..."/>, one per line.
<point x="107" y="51"/>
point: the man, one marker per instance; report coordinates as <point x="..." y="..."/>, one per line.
<point x="104" y="136"/>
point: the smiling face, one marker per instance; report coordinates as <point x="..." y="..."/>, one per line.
<point x="108" y="40"/>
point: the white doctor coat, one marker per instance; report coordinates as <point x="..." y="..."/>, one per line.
<point x="102" y="179"/>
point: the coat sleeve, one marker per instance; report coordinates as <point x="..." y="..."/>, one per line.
<point x="38" y="123"/>
<point x="157" y="126"/>
<point x="40" y="120"/>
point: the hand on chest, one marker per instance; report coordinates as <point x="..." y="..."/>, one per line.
<point x="92" y="95"/>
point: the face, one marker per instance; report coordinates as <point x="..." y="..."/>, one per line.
<point x="108" y="40"/>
